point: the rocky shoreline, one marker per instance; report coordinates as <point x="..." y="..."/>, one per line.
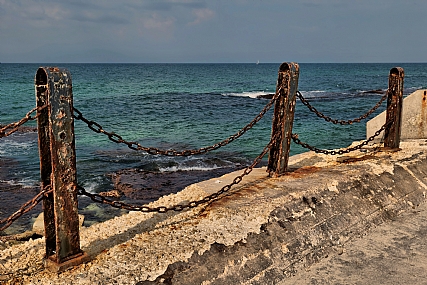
<point x="135" y="186"/>
<point x="148" y="186"/>
<point x="12" y="196"/>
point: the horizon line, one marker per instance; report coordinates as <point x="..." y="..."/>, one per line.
<point x="255" y="63"/>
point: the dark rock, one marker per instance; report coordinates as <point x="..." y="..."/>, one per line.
<point x="377" y="91"/>
<point x="148" y="186"/>
<point x="266" y="96"/>
<point x="22" y="129"/>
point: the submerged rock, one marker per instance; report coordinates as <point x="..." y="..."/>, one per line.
<point x="150" y="185"/>
<point x="376" y="91"/>
<point x="266" y="96"/>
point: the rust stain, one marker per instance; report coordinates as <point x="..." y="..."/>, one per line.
<point x="231" y="197"/>
<point x="253" y="189"/>
<point x="303" y="171"/>
<point x="355" y="159"/>
<point x="61" y="114"/>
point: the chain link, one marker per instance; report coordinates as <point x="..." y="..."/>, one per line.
<point x="14" y="126"/>
<point x="341" y="122"/>
<point x="33" y="202"/>
<point x="25" y="208"/>
<point x="94" y="126"/>
<point x="97" y="128"/>
<point x="341" y="151"/>
<point x="179" y="207"/>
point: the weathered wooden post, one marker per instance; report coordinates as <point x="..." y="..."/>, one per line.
<point x="394" y="108"/>
<point x="284" y="108"/>
<point x="58" y="168"/>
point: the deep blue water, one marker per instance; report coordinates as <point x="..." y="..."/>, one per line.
<point x="184" y="106"/>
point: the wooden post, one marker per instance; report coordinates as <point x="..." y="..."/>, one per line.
<point x="58" y="168"/>
<point x="284" y="109"/>
<point x="394" y="108"/>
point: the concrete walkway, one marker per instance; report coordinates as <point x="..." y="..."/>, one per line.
<point x="393" y="253"/>
<point x="305" y="227"/>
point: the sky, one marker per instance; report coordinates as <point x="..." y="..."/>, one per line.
<point x="213" y="31"/>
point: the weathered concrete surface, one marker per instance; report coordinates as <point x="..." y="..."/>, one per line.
<point x="393" y="253"/>
<point x="262" y="232"/>
<point x="414" y="118"/>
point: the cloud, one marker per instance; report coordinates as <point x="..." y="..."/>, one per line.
<point x="198" y="30"/>
<point x="39" y="12"/>
<point x="94" y="17"/>
<point x="202" y="15"/>
<point x="169" y="5"/>
<point x="157" y="22"/>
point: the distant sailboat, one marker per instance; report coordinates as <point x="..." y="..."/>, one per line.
<point x="257" y="62"/>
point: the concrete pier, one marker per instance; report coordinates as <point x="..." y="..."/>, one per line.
<point x="263" y="231"/>
<point x="395" y="252"/>
<point x="414" y="118"/>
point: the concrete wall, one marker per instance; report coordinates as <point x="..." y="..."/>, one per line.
<point x="414" y="118"/>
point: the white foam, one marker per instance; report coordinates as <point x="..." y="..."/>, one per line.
<point x="10" y="147"/>
<point x="27" y="182"/>
<point x="187" y="168"/>
<point x="24" y="183"/>
<point x="313" y="93"/>
<point x="90" y="186"/>
<point x="252" y="94"/>
<point x="15" y="144"/>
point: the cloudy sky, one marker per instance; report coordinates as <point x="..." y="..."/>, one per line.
<point x="213" y="31"/>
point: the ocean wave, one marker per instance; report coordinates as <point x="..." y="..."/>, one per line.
<point x="188" y="168"/>
<point x="410" y="90"/>
<point x="194" y="164"/>
<point x="9" y="143"/>
<point x="24" y="183"/>
<point x="91" y="186"/>
<point x="17" y="146"/>
<point x="315" y="94"/>
<point x="311" y="94"/>
<point x="320" y="94"/>
<point x="251" y="94"/>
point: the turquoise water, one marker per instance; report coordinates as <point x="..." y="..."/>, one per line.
<point x="184" y="106"/>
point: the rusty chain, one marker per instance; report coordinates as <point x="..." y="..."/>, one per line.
<point x="14" y="126"/>
<point x="97" y="128"/>
<point x="136" y="146"/>
<point x="178" y="207"/>
<point x="341" y="151"/>
<point x="25" y="208"/>
<point x="33" y="202"/>
<point x="341" y="122"/>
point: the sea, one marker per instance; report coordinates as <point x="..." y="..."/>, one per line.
<point x="187" y="106"/>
